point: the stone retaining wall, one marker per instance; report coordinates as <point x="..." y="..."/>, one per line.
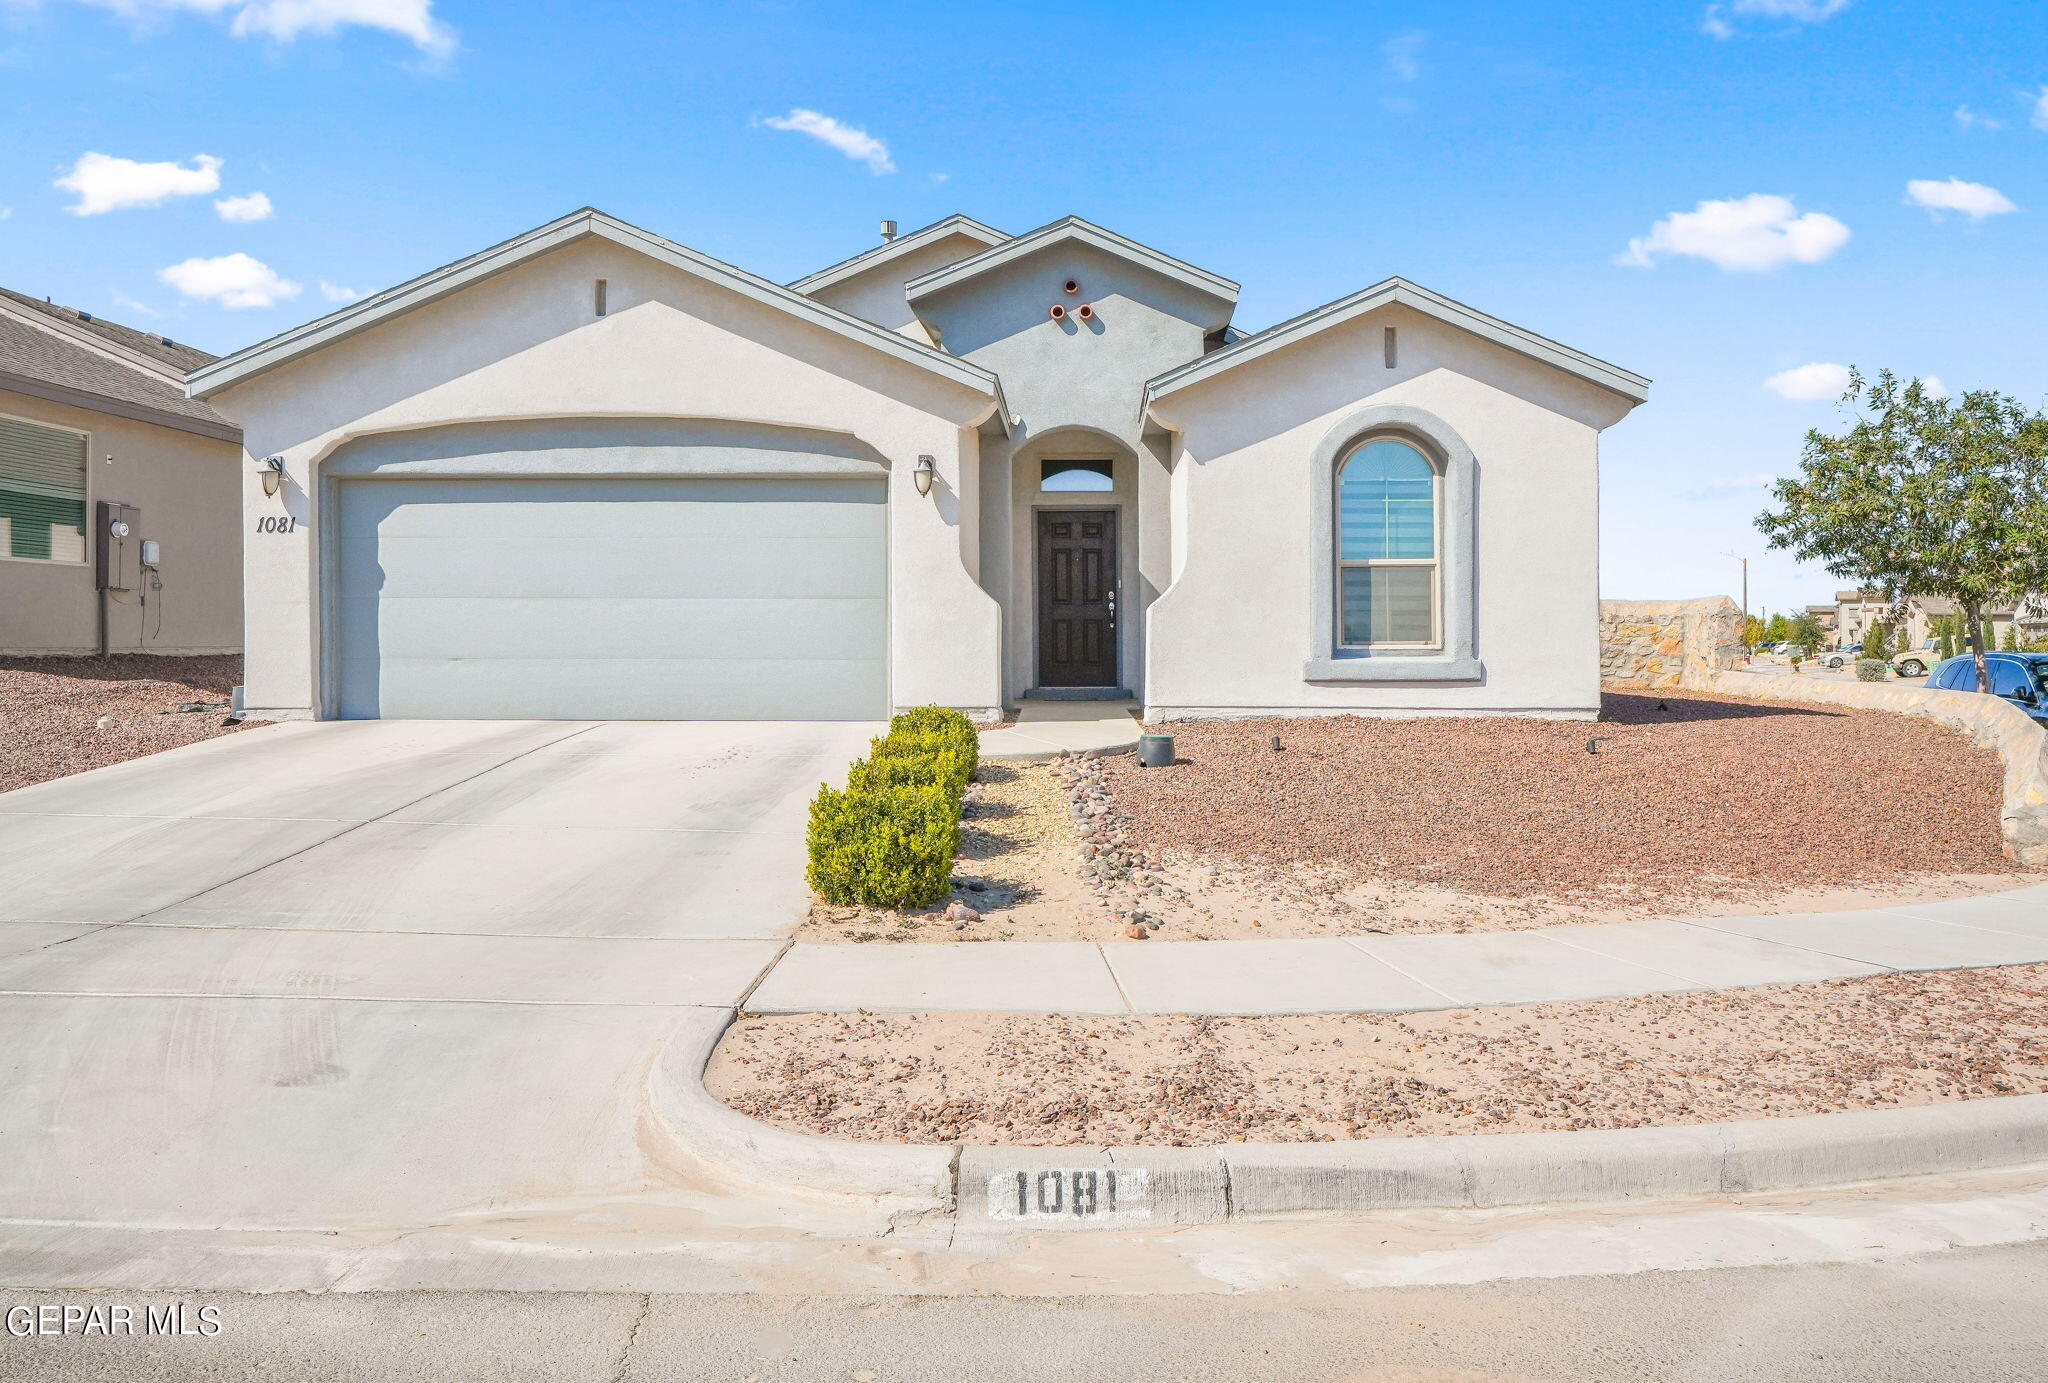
<point x="1990" y="721"/>
<point x="1665" y="643"/>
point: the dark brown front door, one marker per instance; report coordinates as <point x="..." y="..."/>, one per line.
<point x="1077" y="598"/>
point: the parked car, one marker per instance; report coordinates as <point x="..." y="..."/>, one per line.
<point x="1841" y="657"/>
<point x="1915" y="661"/>
<point x="2021" y="678"/>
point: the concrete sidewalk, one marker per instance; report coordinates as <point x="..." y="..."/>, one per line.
<point x="1390" y="974"/>
<point x="1048" y="729"/>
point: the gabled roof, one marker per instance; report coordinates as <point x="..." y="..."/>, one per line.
<point x="168" y="356"/>
<point x="1073" y="228"/>
<point x="577" y="225"/>
<point x="892" y="249"/>
<point x="1399" y="290"/>
<point x="69" y="357"/>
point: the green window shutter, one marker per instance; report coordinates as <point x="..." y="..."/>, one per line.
<point x="42" y="492"/>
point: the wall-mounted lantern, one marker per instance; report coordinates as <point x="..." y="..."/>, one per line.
<point x="922" y="476"/>
<point x="271" y="471"/>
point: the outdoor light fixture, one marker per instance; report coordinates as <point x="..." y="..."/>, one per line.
<point x="922" y="476"/>
<point x="271" y="469"/>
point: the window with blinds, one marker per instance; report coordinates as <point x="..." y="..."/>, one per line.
<point x="42" y="492"/>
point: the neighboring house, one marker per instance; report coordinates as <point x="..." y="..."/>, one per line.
<point x="591" y="473"/>
<point x="94" y="417"/>
<point x="1825" y="616"/>
<point x="1858" y="610"/>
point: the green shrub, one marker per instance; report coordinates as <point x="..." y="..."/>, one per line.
<point x="893" y="763"/>
<point x="1872" y="669"/>
<point x="947" y="726"/>
<point x="889" y="847"/>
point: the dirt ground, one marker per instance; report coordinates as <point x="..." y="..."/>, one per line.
<point x="1687" y="805"/>
<point x="1612" y="1063"/>
<point x="65" y="715"/>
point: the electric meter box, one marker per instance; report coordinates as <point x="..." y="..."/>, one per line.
<point x="117" y="546"/>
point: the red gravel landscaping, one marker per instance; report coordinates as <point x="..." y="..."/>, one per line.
<point x="1612" y="1063"/>
<point x="65" y="715"/>
<point x="1685" y="796"/>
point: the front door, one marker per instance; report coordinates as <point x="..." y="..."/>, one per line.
<point x="1077" y="598"/>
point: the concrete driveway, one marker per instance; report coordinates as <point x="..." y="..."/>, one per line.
<point x="378" y="973"/>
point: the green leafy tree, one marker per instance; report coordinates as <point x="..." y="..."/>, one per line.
<point x="1924" y="496"/>
<point x="1877" y="643"/>
<point x="1806" y="631"/>
<point x="1778" y="629"/>
<point x="1752" y="630"/>
<point x="2012" y="640"/>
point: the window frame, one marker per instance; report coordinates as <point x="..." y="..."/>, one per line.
<point x="1454" y="657"/>
<point x="87" y="435"/>
<point x="1434" y="562"/>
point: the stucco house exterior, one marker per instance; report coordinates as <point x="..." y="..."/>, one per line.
<point x="591" y="473"/>
<point x="96" y="430"/>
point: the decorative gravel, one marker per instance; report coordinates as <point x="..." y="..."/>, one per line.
<point x="1613" y="1063"/>
<point x="1670" y="795"/>
<point x="65" y="715"/>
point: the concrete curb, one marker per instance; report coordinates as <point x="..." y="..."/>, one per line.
<point x="905" y="1178"/>
<point x="1029" y="749"/>
<point x="1989" y="721"/>
<point x="1032" y="1189"/>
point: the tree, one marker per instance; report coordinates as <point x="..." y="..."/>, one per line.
<point x="1778" y="630"/>
<point x="1877" y="643"/>
<point x="1924" y="496"/>
<point x="1806" y="631"/>
<point x="1752" y="631"/>
<point x="2012" y="640"/>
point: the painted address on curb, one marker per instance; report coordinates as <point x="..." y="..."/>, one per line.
<point x="1068" y="1193"/>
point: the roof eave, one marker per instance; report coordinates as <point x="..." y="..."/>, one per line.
<point x="450" y="278"/>
<point x="1087" y="232"/>
<point x="1316" y="320"/>
<point x="877" y="255"/>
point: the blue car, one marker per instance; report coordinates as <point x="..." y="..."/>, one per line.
<point x="2021" y="678"/>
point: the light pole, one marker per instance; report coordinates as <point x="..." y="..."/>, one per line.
<point x="1745" y="581"/>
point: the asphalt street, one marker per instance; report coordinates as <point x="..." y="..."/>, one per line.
<point x="1970" y="1314"/>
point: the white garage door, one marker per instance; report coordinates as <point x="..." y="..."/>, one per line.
<point x="612" y="599"/>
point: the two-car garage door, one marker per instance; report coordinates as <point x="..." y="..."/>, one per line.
<point x="673" y="598"/>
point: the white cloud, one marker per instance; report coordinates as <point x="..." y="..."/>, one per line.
<point x="1715" y="20"/>
<point x="2041" y="110"/>
<point x="1973" y="199"/>
<point x="1733" y="484"/>
<point x="1402" y="55"/>
<point x="1933" y="386"/>
<point x="285" y="20"/>
<point x="254" y="207"/>
<point x="1802" y="11"/>
<point x="1969" y="120"/>
<point x="858" y="145"/>
<point x="1749" y="234"/>
<point x="233" y="280"/>
<point x="1810" y="383"/>
<point x="105" y="183"/>
<point x="128" y="304"/>
<point x="335" y="293"/>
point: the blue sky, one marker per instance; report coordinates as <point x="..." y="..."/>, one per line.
<point x="1507" y="154"/>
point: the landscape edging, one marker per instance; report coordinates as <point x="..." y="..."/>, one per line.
<point x="1454" y="1171"/>
<point x="911" y="1178"/>
<point x="1989" y="721"/>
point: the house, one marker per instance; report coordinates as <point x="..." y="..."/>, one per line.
<point x="1859" y="610"/>
<point x="592" y="473"/>
<point x="120" y="497"/>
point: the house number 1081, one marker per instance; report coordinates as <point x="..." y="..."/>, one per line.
<point x="286" y="524"/>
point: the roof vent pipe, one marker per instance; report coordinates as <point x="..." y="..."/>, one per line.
<point x="1086" y="312"/>
<point x="1059" y="312"/>
<point x="888" y="230"/>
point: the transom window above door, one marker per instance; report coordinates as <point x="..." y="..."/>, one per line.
<point x="1068" y="476"/>
<point x="1388" y="587"/>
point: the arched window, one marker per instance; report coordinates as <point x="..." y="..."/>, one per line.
<point x="1389" y="592"/>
